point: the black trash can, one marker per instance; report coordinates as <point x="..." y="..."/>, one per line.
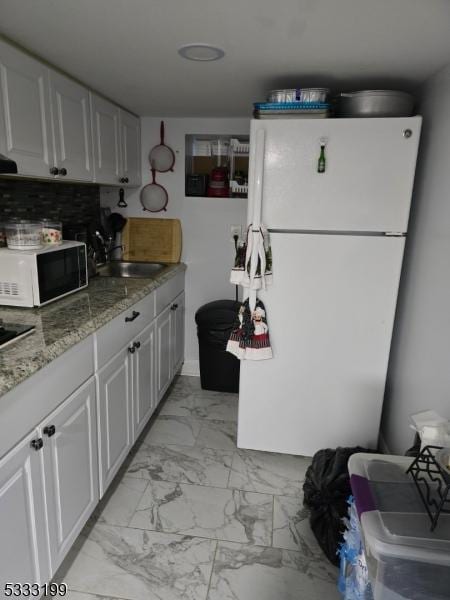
<point x="219" y="370"/>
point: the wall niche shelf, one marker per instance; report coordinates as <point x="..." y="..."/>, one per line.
<point x="217" y="165"/>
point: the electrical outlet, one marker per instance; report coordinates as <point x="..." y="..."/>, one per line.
<point x="236" y="230"/>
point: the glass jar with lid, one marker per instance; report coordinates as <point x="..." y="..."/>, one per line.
<point x="23" y="235"/>
<point x="51" y="232"/>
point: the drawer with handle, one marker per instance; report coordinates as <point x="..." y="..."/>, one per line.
<point x="122" y="329"/>
<point x="168" y="291"/>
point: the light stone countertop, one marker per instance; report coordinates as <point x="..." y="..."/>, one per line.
<point x="63" y="323"/>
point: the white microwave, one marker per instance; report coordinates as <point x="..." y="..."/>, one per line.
<point x="36" y="277"/>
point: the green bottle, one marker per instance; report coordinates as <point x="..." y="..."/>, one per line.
<point x="321" y="164"/>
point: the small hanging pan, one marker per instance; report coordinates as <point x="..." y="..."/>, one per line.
<point x="154" y="197"/>
<point x="161" y="157"/>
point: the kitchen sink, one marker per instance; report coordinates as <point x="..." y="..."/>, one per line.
<point x="119" y="268"/>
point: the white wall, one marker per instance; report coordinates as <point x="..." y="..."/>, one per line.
<point x="419" y="371"/>
<point x="207" y="247"/>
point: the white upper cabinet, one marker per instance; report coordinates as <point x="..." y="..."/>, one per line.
<point x="50" y="125"/>
<point x="25" y="132"/>
<point x="117" y="144"/>
<point x="71" y="120"/>
<point x="106" y="136"/>
<point x="130" y="134"/>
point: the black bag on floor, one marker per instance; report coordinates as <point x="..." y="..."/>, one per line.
<point x="326" y="490"/>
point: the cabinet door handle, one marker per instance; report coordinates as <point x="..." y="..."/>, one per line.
<point x="174" y="307"/>
<point x="134" y="315"/>
<point x="37" y="444"/>
<point x="63" y="171"/>
<point x="54" y="171"/>
<point x="50" y="430"/>
<point x="131" y="349"/>
<point x="137" y="345"/>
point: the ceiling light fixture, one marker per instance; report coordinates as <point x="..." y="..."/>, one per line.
<point x="201" y="52"/>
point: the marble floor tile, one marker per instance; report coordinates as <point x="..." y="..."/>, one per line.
<point x="217" y="434"/>
<point x="186" y="398"/>
<point x="256" y="573"/>
<point x="119" y="503"/>
<point x="171" y="429"/>
<point x="210" y="512"/>
<point x="183" y="464"/>
<point x="267" y="472"/>
<point x="139" y="565"/>
<point x="291" y="529"/>
<point x="184" y="383"/>
<point x="187" y="491"/>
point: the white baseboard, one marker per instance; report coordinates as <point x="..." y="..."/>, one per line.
<point x="191" y="368"/>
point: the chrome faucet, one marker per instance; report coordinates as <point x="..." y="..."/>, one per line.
<point x="105" y="249"/>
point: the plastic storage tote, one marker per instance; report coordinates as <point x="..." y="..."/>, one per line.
<point x="405" y="560"/>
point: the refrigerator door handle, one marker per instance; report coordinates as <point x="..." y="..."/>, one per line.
<point x="259" y="174"/>
<point x="257" y="210"/>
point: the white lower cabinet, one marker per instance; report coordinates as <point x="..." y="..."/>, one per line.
<point x="178" y="310"/>
<point x="131" y="384"/>
<point x="164" y="326"/>
<point x="170" y="343"/>
<point x="48" y="489"/>
<point x="70" y="469"/>
<point x="126" y="400"/>
<point x="114" y="390"/>
<point x="144" y="379"/>
<point x="51" y="481"/>
<point x="23" y="533"/>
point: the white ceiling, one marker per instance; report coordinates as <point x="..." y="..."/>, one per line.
<point x="127" y="49"/>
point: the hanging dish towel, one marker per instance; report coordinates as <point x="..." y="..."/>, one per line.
<point x="259" y="240"/>
<point x="249" y="339"/>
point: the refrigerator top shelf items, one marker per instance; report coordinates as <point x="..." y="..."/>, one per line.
<point x="291" y="110"/>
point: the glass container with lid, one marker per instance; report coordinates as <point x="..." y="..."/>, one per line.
<point x="23" y="234"/>
<point x="51" y="232"/>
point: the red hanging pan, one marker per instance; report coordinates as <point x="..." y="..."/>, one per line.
<point x="161" y="157"/>
<point x="154" y="197"/>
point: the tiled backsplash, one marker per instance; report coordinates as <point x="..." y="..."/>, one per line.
<point x="73" y="204"/>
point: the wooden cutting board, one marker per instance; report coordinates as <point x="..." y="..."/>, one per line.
<point x="152" y="240"/>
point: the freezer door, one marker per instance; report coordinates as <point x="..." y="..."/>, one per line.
<point x="330" y="315"/>
<point x="368" y="179"/>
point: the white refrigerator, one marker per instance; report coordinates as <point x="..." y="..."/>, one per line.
<point x="337" y="245"/>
